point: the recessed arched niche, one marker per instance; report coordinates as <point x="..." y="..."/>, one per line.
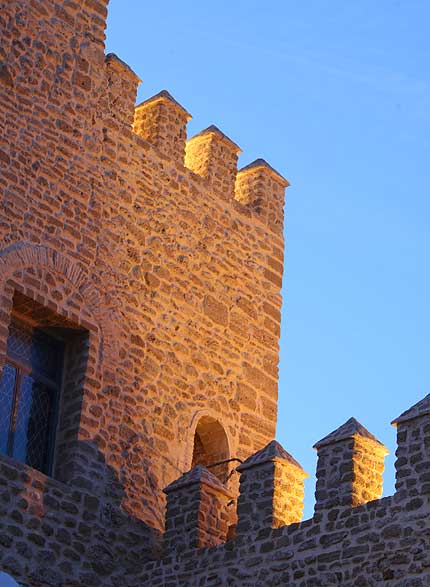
<point x="211" y="447"/>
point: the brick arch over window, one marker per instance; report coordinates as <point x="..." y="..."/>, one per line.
<point x="22" y="256"/>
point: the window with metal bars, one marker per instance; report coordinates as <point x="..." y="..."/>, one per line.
<point x="29" y="395"/>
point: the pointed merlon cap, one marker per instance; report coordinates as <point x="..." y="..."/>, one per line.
<point x="262" y="164"/>
<point x="214" y="130"/>
<point x="196" y="476"/>
<point x="422" y="408"/>
<point x="272" y="452"/>
<point x="165" y="96"/>
<point x="121" y="66"/>
<point x="351" y="429"/>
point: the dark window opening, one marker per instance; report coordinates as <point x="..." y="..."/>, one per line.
<point x="211" y="447"/>
<point x="31" y="383"/>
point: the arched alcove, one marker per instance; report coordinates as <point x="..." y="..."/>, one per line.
<point x="211" y="446"/>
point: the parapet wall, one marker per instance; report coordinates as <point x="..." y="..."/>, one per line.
<point x="355" y="539"/>
<point x="54" y="535"/>
<point x="255" y="192"/>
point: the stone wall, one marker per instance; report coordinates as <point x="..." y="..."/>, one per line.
<point x="177" y="280"/>
<point x="349" y="542"/>
<point x="55" y="535"/>
<point x="165" y="263"/>
<point x="164" y="259"/>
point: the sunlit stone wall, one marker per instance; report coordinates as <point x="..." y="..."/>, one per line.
<point x="166" y="257"/>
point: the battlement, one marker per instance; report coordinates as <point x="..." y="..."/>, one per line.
<point x="354" y="538"/>
<point x="349" y="475"/>
<point x="257" y="189"/>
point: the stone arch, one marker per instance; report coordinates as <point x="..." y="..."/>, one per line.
<point x="22" y="256"/>
<point x="209" y="444"/>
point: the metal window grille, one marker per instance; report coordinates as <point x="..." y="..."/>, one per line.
<point x="29" y="393"/>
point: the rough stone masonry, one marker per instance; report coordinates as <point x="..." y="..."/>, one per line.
<point x="154" y="267"/>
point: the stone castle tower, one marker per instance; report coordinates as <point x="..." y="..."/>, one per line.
<point x="139" y="323"/>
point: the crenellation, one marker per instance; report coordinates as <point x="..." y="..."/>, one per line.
<point x="261" y="189"/>
<point x="162" y="121"/>
<point x="197" y="511"/>
<point x="367" y="543"/>
<point x="122" y="85"/>
<point x="350" y="467"/>
<point x="413" y="450"/>
<point x="213" y="156"/>
<point x="271" y="490"/>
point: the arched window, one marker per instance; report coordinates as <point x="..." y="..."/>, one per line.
<point x="211" y="447"/>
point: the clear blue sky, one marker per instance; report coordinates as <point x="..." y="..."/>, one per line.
<point x="335" y="95"/>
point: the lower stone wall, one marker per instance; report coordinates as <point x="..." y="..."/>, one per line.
<point x="55" y="535"/>
<point x="382" y="543"/>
